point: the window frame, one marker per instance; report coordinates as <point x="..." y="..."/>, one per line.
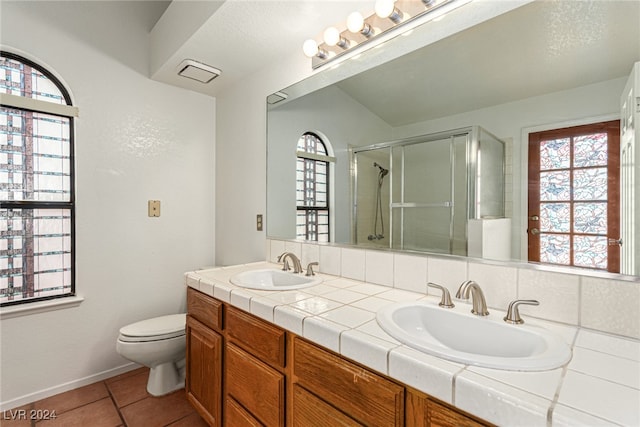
<point x="317" y="158"/>
<point x="69" y="112"/>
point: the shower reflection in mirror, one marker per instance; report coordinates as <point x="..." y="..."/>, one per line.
<point x="438" y="190"/>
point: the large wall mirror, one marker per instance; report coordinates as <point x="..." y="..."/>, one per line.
<point x="540" y="66"/>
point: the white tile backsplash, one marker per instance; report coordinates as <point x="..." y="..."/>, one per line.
<point x="330" y="260"/>
<point x="611" y="306"/>
<point x="601" y="304"/>
<point x="410" y="273"/>
<point x="353" y="263"/>
<point x="558" y="295"/>
<point x="379" y="267"/>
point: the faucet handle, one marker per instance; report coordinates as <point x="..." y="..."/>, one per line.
<point x="445" y="301"/>
<point x="310" y="271"/>
<point x="513" y="314"/>
<point x="461" y="289"/>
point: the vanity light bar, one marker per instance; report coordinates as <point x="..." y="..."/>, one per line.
<point x="389" y="15"/>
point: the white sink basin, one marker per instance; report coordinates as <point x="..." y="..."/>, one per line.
<point x="271" y="279"/>
<point x="457" y="335"/>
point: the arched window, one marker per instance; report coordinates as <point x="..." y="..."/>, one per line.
<point x="312" y="191"/>
<point x="36" y="183"/>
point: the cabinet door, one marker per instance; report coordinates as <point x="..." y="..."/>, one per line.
<point x="309" y="411"/>
<point x="255" y="385"/>
<point x="236" y="416"/>
<point x="203" y="382"/>
<point x="363" y="395"/>
<point x="422" y="411"/>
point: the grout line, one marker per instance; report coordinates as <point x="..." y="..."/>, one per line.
<point x="113" y="401"/>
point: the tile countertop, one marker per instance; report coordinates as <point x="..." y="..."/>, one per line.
<point x="599" y="386"/>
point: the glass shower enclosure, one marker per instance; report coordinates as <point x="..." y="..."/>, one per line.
<point x="420" y="193"/>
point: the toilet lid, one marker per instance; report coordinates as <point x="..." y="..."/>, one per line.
<point x="157" y="328"/>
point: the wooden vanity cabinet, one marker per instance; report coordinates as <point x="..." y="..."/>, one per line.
<point x="254" y="369"/>
<point x="423" y="411"/>
<point x="244" y="371"/>
<point x="365" y="397"/>
<point x="203" y="381"/>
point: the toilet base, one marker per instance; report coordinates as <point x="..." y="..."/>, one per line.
<point x="165" y="378"/>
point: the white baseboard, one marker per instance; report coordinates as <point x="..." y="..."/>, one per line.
<point x="51" y="391"/>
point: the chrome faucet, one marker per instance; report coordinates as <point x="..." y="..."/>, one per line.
<point x="477" y="297"/>
<point x="310" y="271"/>
<point x="297" y="267"/>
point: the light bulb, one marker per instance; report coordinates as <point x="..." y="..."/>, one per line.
<point x="387" y="9"/>
<point x="331" y="36"/>
<point x="355" y="22"/>
<point x="384" y="8"/>
<point x="310" y="48"/>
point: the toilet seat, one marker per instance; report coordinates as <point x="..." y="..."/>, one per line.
<point x="156" y="329"/>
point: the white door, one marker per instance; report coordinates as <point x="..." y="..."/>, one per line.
<point x="629" y="175"/>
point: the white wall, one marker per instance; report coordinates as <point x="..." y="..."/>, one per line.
<point x="136" y="140"/>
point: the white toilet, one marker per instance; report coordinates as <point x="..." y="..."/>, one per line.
<point x="159" y="344"/>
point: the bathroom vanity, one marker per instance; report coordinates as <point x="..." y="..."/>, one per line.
<point x="308" y="355"/>
<point x="242" y="370"/>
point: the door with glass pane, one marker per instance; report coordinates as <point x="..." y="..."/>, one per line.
<point x="574" y="176"/>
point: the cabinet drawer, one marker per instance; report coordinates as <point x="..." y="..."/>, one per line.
<point x="255" y="385"/>
<point x="236" y="416"/>
<point x="309" y="410"/>
<point x="256" y="336"/>
<point x="364" y="395"/>
<point x="204" y="308"/>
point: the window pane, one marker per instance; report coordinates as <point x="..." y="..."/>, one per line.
<point x="35" y="163"/>
<point x="555" y="186"/>
<point x="590" y="218"/>
<point x="555" y="217"/>
<point x="555" y="249"/>
<point x="590" y="184"/>
<point x="590" y="251"/>
<point x="38" y="266"/>
<point x="21" y="79"/>
<point x="590" y="150"/>
<point x="555" y="154"/>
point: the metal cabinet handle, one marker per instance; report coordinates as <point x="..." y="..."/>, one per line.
<point x="535" y="231"/>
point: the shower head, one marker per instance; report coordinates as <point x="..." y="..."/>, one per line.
<point x="383" y="171"/>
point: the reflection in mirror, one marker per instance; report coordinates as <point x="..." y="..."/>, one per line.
<point x="532" y="69"/>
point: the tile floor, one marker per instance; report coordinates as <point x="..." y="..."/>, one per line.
<point x="120" y="401"/>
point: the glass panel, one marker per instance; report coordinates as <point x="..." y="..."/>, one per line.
<point x="590" y="218"/>
<point x="20" y="79"/>
<point x="590" y="150"/>
<point x="555" y="217"/>
<point x="590" y="184"/>
<point x="555" y="154"/>
<point x="590" y="251"/>
<point x="423" y="229"/>
<point x="555" y="249"/>
<point x="50" y="251"/>
<point x="36" y="167"/>
<point x="554" y="186"/>
<point x="425" y="164"/>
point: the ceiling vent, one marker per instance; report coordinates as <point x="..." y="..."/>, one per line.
<point x="197" y="71"/>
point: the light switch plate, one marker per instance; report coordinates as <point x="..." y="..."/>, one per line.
<point x="259" y="222"/>
<point x="154" y="208"/>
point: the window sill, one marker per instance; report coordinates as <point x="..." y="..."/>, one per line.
<point x="39" y="307"/>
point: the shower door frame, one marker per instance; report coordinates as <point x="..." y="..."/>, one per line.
<point x="471" y="150"/>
